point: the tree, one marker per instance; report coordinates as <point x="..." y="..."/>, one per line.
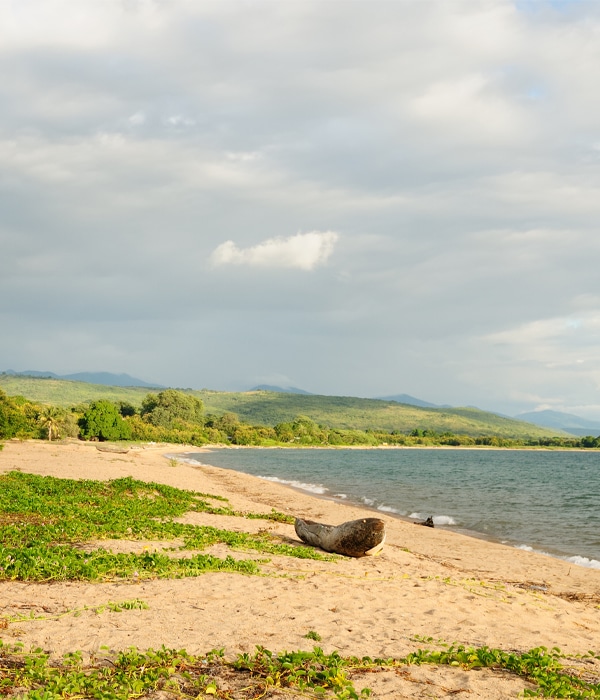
<point x="103" y="421"/>
<point x="49" y="419"/>
<point x="126" y="409"/>
<point x="306" y="431"/>
<point x="284" y="432"/>
<point x="170" y="406"/>
<point x="228" y="422"/>
<point x="13" y="418"/>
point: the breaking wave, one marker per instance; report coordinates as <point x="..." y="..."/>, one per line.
<point x="301" y="485"/>
<point x="437" y="519"/>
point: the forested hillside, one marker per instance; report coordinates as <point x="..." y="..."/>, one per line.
<point x="272" y="408"/>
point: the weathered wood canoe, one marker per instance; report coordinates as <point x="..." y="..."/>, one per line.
<point x="355" y="538"/>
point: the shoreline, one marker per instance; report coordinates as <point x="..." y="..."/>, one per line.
<point x="293" y="446"/>
<point x="427" y="584"/>
<point x="342" y="501"/>
<point x="356" y="500"/>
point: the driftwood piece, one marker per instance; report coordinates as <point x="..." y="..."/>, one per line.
<point x="355" y="538"/>
<point x="427" y="523"/>
<point x="114" y="449"/>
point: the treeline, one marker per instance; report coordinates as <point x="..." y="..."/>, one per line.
<point x="176" y="417"/>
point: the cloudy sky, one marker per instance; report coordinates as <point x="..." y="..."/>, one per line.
<point x="353" y="197"/>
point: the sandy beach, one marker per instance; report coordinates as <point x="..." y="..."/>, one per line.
<point x="427" y="584"/>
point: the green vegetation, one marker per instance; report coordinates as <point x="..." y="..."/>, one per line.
<point x="540" y="666"/>
<point x="171" y="408"/>
<point x="45" y="523"/>
<point x="261" y="418"/>
<point x="350" y="413"/>
<point x="315" y="636"/>
<point x="49" y="531"/>
<point x="67" y="393"/>
<point x="111" y="606"/>
<point x="102" y="420"/>
<point x="49" y="419"/>
<point x="133" y="673"/>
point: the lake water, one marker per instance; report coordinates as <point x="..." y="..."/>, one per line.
<point x="541" y="500"/>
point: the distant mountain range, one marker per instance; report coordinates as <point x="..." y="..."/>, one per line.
<point x="105" y="378"/>
<point x="277" y="404"/>
<point x="397" y="398"/>
<point x="280" y="389"/>
<point x="566" y="422"/>
<point x="563" y="421"/>
<point x="411" y="401"/>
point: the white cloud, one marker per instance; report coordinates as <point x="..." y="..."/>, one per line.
<point x="247" y="156"/>
<point x="180" y="120"/>
<point x="541" y="334"/>
<point x="137" y="119"/>
<point x="469" y="105"/>
<point x="304" y="251"/>
<point x="562" y="348"/>
<point x="456" y="145"/>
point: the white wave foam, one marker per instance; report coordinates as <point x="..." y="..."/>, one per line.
<point x="387" y="509"/>
<point x="186" y="460"/>
<point x="527" y="548"/>
<point x="311" y="488"/>
<point x="437" y="519"/>
<point x="577" y="560"/>
<point x="584" y="561"/>
<point x="368" y="501"/>
<point x="343" y="496"/>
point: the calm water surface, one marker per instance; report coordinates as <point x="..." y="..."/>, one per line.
<point x="547" y="501"/>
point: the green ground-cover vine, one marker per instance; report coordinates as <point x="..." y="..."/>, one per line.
<point x="110" y="606"/>
<point x="45" y="523"/>
<point x="133" y="673"/>
<point x="541" y="666"/>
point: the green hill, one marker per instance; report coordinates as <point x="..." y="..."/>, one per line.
<point x="271" y="408"/>
<point x="65" y="392"/>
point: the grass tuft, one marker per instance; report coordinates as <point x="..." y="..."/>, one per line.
<point x="313" y="673"/>
<point x="45" y="523"/>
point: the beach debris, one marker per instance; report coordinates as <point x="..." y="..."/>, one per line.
<point x="426" y="523"/>
<point x="355" y="538"/>
<point x="115" y="449"/>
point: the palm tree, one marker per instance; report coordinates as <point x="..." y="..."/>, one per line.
<point x="49" y="419"/>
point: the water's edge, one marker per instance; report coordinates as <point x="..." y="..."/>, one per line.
<point x="253" y="461"/>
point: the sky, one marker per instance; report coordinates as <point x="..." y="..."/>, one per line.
<point x="352" y="197"/>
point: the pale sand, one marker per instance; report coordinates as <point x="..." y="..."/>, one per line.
<point x="427" y="583"/>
